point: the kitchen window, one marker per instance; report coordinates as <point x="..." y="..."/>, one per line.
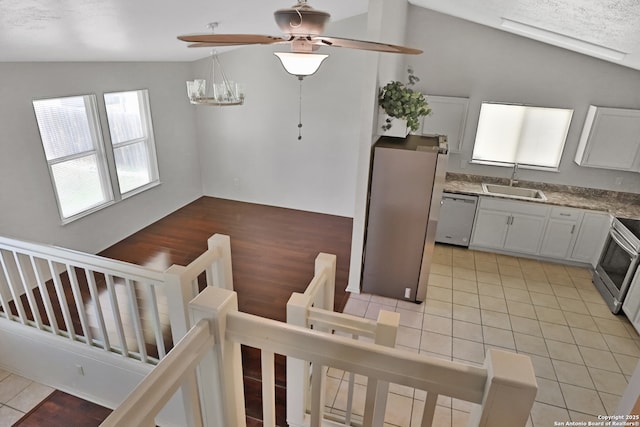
<point x="85" y="178"/>
<point x="529" y="136"/>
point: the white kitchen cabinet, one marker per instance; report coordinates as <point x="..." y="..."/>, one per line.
<point x="448" y="117"/>
<point x="631" y="304"/>
<point x="561" y="232"/>
<point x="591" y="236"/>
<point x="610" y="139"/>
<point x="525" y="232"/>
<point x="490" y="229"/>
<point x="509" y="225"/>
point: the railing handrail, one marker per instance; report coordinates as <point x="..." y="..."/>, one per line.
<point x="504" y="387"/>
<point x="141" y="406"/>
<point x="80" y="259"/>
<point x="386" y="363"/>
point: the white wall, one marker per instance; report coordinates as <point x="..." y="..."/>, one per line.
<point x="27" y="204"/>
<point x="251" y="152"/>
<point x="470" y="60"/>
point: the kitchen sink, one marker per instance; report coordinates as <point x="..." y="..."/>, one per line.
<point x="513" y="192"/>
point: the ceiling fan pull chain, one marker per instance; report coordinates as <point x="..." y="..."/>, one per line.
<point x="300" y="110"/>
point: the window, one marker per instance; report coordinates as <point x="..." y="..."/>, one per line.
<point x="132" y="139"/>
<point x="73" y="146"/>
<point x="531" y="136"/>
<point x="85" y="179"/>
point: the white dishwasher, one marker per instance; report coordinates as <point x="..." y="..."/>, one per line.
<point x="457" y="213"/>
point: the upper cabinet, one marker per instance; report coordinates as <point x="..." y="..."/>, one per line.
<point x="448" y="117"/>
<point x="610" y="139"/>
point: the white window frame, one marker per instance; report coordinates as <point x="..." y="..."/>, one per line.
<point x="481" y="134"/>
<point x="147" y="139"/>
<point x="91" y="109"/>
<point x="104" y="151"/>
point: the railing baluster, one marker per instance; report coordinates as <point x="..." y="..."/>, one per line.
<point x="62" y="300"/>
<point x="135" y="318"/>
<point x="350" y="390"/>
<point x="5" y="281"/>
<point x="115" y="311"/>
<point x="268" y="389"/>
<point x="318" y="374"/>
<point x="28" y="289"/>
<point x="195" y="288"/>
<point x="429" y="409"/>
<point x="44" y="293"/>
<point x="77" y="298"/>
<point x="97" y="307"/>
<point x="12" y="288"/>
<point x="152" y="306"/>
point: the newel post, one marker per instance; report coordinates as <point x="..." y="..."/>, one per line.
<point x="179" y="293"/>
<point x="221" y="273"/>
<point x="509" y="392"/>
<point x="328" y="262"/>
<point x="220" y="373"/>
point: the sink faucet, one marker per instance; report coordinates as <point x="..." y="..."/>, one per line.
<point x="514" y="175"/>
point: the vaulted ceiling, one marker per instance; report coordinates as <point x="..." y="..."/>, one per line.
<point x="146" y="30"/>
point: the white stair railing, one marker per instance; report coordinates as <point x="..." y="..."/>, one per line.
<point x="504" y="388"/>
<point x="314" y="309"/>
<point x="105" y="304"/>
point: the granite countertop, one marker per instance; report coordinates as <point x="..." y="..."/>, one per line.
<point x="626" y="205"/>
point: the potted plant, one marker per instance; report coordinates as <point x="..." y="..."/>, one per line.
<point x="399" y="100"/>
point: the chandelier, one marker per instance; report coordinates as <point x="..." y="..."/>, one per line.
<point x="217" y="89"/>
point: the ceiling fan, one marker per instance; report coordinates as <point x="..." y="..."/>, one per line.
<point x="303" y="27"/>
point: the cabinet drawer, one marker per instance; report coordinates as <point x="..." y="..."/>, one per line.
<point x="570" y="214"/>
<point x="514" y="206"/>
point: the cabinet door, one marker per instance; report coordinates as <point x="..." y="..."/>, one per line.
<point x="558" y="238"/>
<point x="448" y="117"/>
<point x="610" y="139"/>
<point x="591" y="236"/>
<point x="524" y="233"/>
<point x="490" y="228"/>
<point x="631" y="304"/>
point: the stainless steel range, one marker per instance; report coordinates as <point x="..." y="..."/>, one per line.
<point x="618" y="261"/>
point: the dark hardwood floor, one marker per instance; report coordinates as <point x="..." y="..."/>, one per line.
<point x="273" y="253"/>
<point x="64" y="410"/>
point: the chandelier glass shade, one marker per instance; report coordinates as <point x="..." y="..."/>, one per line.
<point x="217" y="89"/>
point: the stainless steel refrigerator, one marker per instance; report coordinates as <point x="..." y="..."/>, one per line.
<point x="406" y="182"/>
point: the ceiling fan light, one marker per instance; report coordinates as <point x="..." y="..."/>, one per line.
<point x="300" y="64"/>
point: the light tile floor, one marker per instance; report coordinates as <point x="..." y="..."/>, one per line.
<point x="582" y="354"/>
<point x="18" y="396"/>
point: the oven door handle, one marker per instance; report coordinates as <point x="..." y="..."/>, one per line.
<point x="617" y="237"/>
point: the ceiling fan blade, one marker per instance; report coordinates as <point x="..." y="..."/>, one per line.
<point x="230" y="39"/>
<point x="363" y="45"/>
<point x="226" y="44"/>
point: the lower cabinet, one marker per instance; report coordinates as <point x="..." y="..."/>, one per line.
<point x="490" y="228"/>
<point x="561" y="232"/>
<point x="509" y="225"/>
<point x="631" y="304"/>
<point x="591" y="237"/>
<point x="534" y="228"/>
